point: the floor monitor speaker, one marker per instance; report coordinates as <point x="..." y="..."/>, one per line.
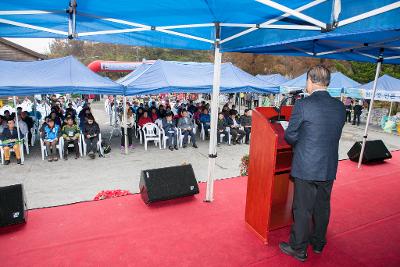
<point x="167" y="183"/>
<point x="375" y="151"/>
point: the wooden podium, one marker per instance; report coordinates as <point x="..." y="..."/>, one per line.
<point x="269" y="188"/>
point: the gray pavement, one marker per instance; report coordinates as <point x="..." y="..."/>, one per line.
<point x="63" y="182"/>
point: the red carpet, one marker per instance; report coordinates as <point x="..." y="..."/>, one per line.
<point x="364" y="229"/>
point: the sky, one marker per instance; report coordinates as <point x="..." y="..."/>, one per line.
<point x="40" y="45"/>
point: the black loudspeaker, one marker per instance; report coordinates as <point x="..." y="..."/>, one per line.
<point x="374" y="151"/>
<point x="167" y="183"/>
<point x="13" y="208"/>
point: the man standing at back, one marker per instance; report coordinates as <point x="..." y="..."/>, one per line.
<point x="314" y="132"/>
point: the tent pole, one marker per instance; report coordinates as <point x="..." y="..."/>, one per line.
<point x="390" y="109"/>
<point x="21" y="145"/>
<point x="125" y="127"/>
<point x="378" y="70"/>
<point x="212" y="151"/>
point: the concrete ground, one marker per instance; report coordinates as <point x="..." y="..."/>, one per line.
<point x="63" y="182"/>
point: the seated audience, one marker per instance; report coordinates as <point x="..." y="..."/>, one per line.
<point x="29" y="122"/>
<point x="50" y="138"/>
<point x="236" y="132"/>
<point x="186" y="125"/>
<point x="3" y="124"/>
<point x="7" y="115"/>
<point x="245" y="121"/>
<point x="161" y="111"/>
<point x="70" y="132"/>
<point x="9" y="140"/>
<point x="225" y="111"/>
<point x="221" y="129"/>
<point x="23" y="127"/>
<point x="205" y="119"/>
<point x="144" y="119"/>
<point x="170" y="131"/>
<point x="70" y="111"/>
<point x="153" y="113"/>
<point x="91" y="134"/>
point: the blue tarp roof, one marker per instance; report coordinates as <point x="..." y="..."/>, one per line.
<point x="60" y="75"/>
<point x="277" y="79"/>
<point x="245" y="25"/>
<point x="338" y="83"/>
<point x="387" y="89"/>
<point x="189" y="77"/>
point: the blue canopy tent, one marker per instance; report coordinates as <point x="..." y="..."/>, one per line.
<point x="387" y="89"/>
<point x="60" y="75"/>
<point x="222" y="25"/>
<point x="277" y="79"/>
<point x="189" y="77"/>
<point x="338" y="83"/>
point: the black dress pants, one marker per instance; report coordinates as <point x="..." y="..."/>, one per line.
<point x="311" y="210"/>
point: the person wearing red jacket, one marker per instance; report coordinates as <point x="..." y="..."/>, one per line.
<point x="144" y="119"/>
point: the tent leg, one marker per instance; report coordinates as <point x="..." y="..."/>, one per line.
<point x="378" y="70"/>
<point x="125" y="126"/>
<point x="390" y="109"/>
<point x="212" y="151"/>
<point x="21" y="145"/>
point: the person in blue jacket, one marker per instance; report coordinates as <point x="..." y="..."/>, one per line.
<point x="205" y="119"/>
<point x="51" y="136"/>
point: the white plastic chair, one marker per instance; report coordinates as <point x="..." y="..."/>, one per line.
<point x="99" y="147"/>
<point x="203" y="132"/>
<point x="181" y="137"/>
<point x="151" y="132"/>
<point x="164" y="138"/>
<point x="80" y="145"/>
<point x="59" y="146"/>
<point x="11" y="150"/>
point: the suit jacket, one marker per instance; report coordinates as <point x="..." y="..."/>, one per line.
<point x="188" y="123"/>
<point x="314" y="131"/>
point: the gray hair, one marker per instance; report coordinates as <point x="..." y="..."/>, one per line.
<point x="319" y="75"/>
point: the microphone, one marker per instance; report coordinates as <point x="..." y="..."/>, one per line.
<point x="295" y="92"/>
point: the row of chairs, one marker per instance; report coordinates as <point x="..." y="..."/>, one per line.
<point x="60" y="147"/>
<point x="153" y="132"/>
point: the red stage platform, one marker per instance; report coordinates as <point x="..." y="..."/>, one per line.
<point x="364" y="229"/>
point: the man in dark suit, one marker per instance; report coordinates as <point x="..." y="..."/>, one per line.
<point x="314" y="131"/>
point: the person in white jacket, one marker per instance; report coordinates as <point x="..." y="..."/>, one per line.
<point x="130" y="122"/>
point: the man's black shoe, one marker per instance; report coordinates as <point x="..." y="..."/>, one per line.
<point x="6" y="162"/>
<point x="184" y="145"/>
<point x="195" y="146"/>
<point x="65" y="157"/>
<point x="176" y="147"/>
<point x="171" y="148"/>
<point x="317" y="249"/>
<point x="287" y="249"/>
<point x="18" y="161"/>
